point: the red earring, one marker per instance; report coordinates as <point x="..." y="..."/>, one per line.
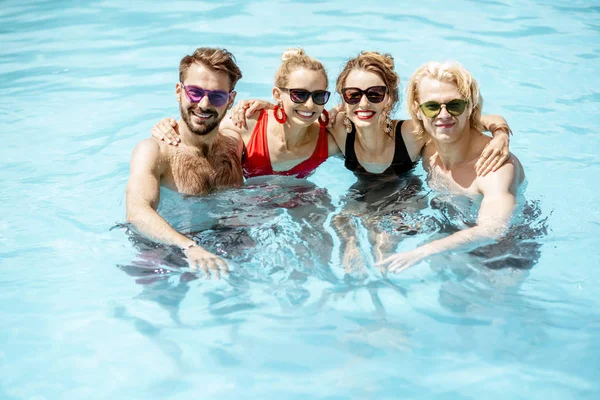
<point x="283" y="117"/>
<point x="324" y="122"/>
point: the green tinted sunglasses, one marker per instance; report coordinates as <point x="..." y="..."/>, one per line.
<point x="455" y="107"/>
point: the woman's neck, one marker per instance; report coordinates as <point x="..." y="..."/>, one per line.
<point x="293" y="135"/>
<point x="373" y="142"/>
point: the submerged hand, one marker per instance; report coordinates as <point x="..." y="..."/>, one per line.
<point x="208" y="262"/>
<point x="401" y="261"/>
<point x="493" y="156"/>
<point x="166" y="130"/>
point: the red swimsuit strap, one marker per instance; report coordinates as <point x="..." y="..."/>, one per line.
<point x="257" y="160"/>
<point x="317" y="157"/>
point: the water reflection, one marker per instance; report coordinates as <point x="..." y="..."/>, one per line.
<point x="376" y="214"/>
<point x="288" y="246"/>
<point x="270" y="233"/>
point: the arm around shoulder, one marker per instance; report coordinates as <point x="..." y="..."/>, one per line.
<point x="495" y="124"/>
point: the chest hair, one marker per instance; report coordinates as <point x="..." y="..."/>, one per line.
<point x="202" y="170"/>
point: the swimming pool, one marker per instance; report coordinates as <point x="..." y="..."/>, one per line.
<point x="90" y="312"/>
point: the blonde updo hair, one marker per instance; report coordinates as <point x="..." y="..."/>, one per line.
<point x="382" y="65"/>
<point x="450" y="72"/>
<point x="293" y="59"/>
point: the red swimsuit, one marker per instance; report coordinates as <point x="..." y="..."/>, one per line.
<point x="256" y="161"/>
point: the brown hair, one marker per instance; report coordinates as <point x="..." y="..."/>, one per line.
<point x="449" y="72"/>
<point x="293" y="59"/>
<point x="214" y="59"/>
<point x="381" y="64"/>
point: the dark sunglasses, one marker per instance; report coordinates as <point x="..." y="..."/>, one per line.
<point x="455" y="107"/>
<point x="319" y="97"/>
<point x="217" y="98"/>
<point x="353" y="95"/>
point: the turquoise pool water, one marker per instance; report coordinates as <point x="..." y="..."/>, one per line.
<point x="92" y="313"/>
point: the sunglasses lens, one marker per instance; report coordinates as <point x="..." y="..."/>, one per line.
<point x="218" y="98"/>
<point x="376" y="94"/>
<point x="299" y="95"/>
<point x="456" y="107"/>
<point x="320" y="97"/>
<point x="194" y="93"/>
<point x="431" y="109"/>
<point x="352" y="96"/>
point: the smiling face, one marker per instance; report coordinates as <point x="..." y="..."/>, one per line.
<point x="365" y="114"/>
<point x="202" y="118"/>
<point x="443" y="127"/>
<point x="302" y="113"/>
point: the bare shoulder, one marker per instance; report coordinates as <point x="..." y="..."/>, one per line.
<point x="149" y="152"/>
<point x="229" y="143"/>
<point x="332" y="146"/>
<point x="338" y="131"/>
<point x="226" y="158"/>
<point x="428" y="151"/>
<point x="414" y="142"/>
<point x="508" y="177"/>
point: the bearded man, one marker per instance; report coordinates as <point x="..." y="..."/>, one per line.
<point x="206" y="159"/>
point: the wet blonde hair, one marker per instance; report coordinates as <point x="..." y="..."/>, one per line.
<point x="382" y="65"/>
<point x="450" y="72"/>
<point x="293" y="59"/>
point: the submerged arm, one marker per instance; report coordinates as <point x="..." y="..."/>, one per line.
<point x="494" y="216"/>
<point x="143" y="196"/>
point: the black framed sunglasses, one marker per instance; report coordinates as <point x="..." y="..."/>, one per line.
<point x="455" y="107"/>
<point x="319" y="97"/>
<point x="353" y="95"/>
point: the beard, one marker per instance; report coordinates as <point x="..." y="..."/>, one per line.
<point x="204" y="127"/>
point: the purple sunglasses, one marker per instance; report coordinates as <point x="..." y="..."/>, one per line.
<point x="217" y="98"/>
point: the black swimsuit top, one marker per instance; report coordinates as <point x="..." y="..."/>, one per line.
<point x="401" y="162"/>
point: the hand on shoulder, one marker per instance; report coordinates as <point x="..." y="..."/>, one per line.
<point x="166" y="130"/>
<point x="246" y="111"/>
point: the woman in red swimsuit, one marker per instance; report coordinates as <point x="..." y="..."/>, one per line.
<point x="291" y="139"/>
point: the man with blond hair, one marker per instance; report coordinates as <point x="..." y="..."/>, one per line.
<point x="444" y="100"/>
<point x="206" y="159"/>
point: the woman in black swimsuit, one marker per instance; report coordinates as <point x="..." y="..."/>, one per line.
<point x="380" y="151"/>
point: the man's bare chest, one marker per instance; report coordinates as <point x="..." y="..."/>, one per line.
<point x="461" y="180"/>
<point x="194" y="174"/>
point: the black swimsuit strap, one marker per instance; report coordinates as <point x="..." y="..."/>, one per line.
<point x="351" y="162"/>
<point x="402" y="161"/>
